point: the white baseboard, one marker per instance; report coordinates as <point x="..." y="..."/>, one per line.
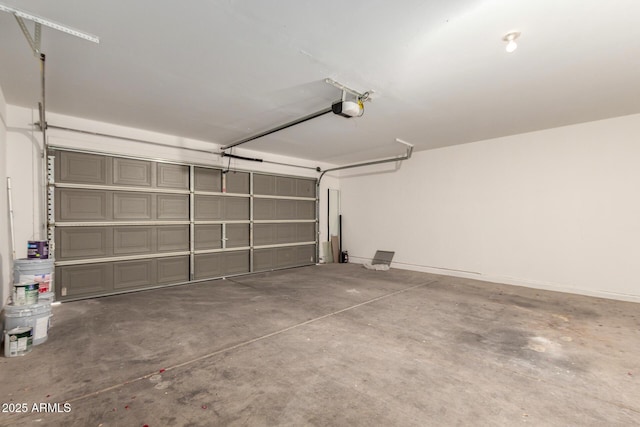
<point x="506" y="280"/>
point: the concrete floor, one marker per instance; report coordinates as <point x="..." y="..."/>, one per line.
<point x="334" y="345"/>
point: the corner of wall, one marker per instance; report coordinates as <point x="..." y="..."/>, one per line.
<point x="5" y="251"/>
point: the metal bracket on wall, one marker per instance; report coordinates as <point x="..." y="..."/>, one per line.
<point x="192" y="227"/>
<point x="251" y="223"/>
<point x="34" y="42"/>
<point x="51" y="212"/>
<point x="35" y="45"/>
<point x="20" y="15"/>
<point x="362" y="96"/>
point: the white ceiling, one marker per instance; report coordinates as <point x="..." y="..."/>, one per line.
<point x="219" y="71"/>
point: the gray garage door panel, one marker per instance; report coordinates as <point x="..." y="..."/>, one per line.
<point x="273" y="258"/>
<point x="84" y="280"/>
<point x="208" y="207"/>
<point x="218" y="208"/>
<point x="237" y="235"/>
<point x="305" y="209"/>
<point x="286" y="209"/>
<point x="132" y="206"/>
<point x="286" y="233"/>
<point x="264" y="209"/>
<point x="237" y="182"/>
<point x="208" y="265"/>
<point x="270" y="185"/>
<point x="83" y="205"/>
<point x="273" y="234"/>
<point x="172" y="207"/>
<point x="173" y="238"/>
<point x="264" y="184"/>
<point x="236" y="208"/>
<point x="236" y="262"/>
<point x="280" y="209"/>
<point x="132" y="172"/>
<point x="221" y="263"/>
<point x="306" y="232"/>
<point x="305" y="254"/>
<point x="172" y="176"/>
<point x="263" y="259"/>
<point x="285" y="186"/>
<point x="285" y="257"/>
<point x="102" y="205"/>
<point x="264" y="234"/>
<point x="134" y="274"/>
<point x="208" y="236"/>
<point x="138" y="247"/>
<point x="83" y="242"/>
<point x="82" y="168"/>
<point x="305" y="188"/>
<point x="133" y="240"/>
<point x="172" y="270"/>
<point x="77" y="243"/>
<point x="207" y="179"/>
<point x="106" y="277"/>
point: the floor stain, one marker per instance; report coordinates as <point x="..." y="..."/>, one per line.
<point x="537" y="347"/>
<point x="545" y="345"/>
<point x="162" y="385"/>
<point x="509" y="342"/>
<point x="558" y="316"/>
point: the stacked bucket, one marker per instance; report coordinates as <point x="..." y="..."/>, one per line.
<point x="28" y="316"/>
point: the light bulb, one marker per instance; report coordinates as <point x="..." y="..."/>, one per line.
<point x="510" y="38"/>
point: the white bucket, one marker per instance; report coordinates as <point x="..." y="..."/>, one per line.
<point x="25" y="293"/>
<point x="37" y="270"/>
<point x="35" y="316"/>
<point x="46" y="297"/>
<point x="18" y="341"/>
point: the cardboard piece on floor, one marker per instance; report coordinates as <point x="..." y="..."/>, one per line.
<point x="326" y="252"/>
<point x="378" y="267"/>
<point x="335" y="248"/>
<point x="383" y="257"/>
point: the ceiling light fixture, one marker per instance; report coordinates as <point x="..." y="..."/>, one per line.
<point x="510" y="38"/>
<point x="47" y="23"/>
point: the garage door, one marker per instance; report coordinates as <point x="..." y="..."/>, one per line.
<point x="120" y="224"/>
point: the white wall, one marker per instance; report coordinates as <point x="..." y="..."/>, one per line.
<point x="5" y="251"/>
<point x="25" y="168"/>
<point x="555" y="209"/>
<point x="25" y="164"/>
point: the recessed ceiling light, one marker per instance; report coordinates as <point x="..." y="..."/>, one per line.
<point x="510" y="38"/>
